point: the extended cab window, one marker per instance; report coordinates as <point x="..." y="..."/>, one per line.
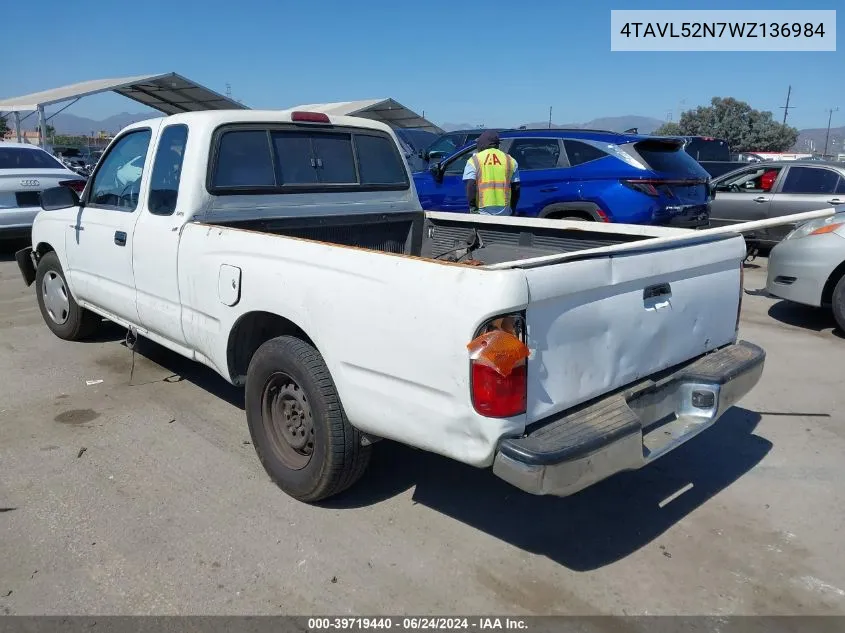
<point x="167" y="170"/>
<point x="294" y="160"/>
<point x="117" y="182"/>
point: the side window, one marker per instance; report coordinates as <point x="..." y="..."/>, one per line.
<point x="244" y="160"/>
<point x="757" y="180"/>
<point x="841" y="187"/>
<point x="535" y="153"/>
<point x="378" y="161"/>
<point x="580" y="153"/>
<point x="167" y="170"/>
<point x="446" y="144"/>
<point x="117" y="182"/>
<point x="457" y="165"/>
<point x="810" y="180"/>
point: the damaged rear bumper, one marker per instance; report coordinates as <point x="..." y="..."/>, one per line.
<point x="629" y="429"/>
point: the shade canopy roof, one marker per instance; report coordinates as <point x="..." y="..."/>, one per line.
<point x="387" y="111"/>
<point x="169" y="93"/>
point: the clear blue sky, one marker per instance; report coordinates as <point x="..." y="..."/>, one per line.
<point x="430" y="55"/>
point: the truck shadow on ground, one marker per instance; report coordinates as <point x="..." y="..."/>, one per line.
<point x="805" y="317"/>
<point x="589" y="530"/>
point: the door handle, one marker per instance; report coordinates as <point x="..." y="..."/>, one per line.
<point x="761" y="199"/>
<point x="120" y="238"/>
<point x="77" y="227"/>
<point x="836" y="201"/>
<point x="547" y="189"/>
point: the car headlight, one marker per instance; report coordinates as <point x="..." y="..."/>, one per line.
<point x="817" y="227"/>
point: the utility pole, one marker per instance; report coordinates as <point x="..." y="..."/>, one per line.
<point x="830" y="112"/>
<point x="229" y="90"/>
<point x="786" y="107"/>
<point x="550" y="117"/>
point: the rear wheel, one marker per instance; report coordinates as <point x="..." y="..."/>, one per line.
<point x="65" y="318"/>
<point x="297" y="422"/>
<point x="838" y="303"/>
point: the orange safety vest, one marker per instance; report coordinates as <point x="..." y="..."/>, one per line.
<point x="493" y="173"/>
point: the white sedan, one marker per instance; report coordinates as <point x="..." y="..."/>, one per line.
<point x="26" y="171"/>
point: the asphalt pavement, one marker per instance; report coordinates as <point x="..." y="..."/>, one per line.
<point x="130" y="487"/>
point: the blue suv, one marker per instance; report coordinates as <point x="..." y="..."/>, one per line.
<point x="586" y="175"/>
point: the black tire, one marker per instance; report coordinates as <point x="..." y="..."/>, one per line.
<point x="837" y="303"/>
<point x="71" y="323"/>
<point x="291" y="397"/>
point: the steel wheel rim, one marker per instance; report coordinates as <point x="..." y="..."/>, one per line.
<point x="289" y="420"/>
<point x="56" y="298"/>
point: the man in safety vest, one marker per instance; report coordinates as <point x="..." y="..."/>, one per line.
<point x="492" y="178"/>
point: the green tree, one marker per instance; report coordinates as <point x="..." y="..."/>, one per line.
<point x="4" y="127"/>
<point x="744" y="128"/>
<point x="670" y="128"/>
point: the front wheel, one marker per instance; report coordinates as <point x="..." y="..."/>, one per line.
<point x="297" y="422"/>
<point x="65" y="318"/>
<point x="838" y="303"/>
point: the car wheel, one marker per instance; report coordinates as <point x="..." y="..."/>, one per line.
<point x="65" y="318"/>
<point x="838" y="303"/>
<point x="297" y="422"/>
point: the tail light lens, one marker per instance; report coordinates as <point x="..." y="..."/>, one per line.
<point x="643" y="186"/>
<point x="498" y="367"/>
<point x="309" y="117"/>
<point x="77" y="185"/>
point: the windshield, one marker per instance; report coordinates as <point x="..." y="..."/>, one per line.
<point x="24" y="158"/>
<point x="446" y="144"/>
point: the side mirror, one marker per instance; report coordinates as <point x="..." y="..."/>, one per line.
<point x="435" y="155"/>
<point x="435" y="170"/>
<point x="59" y="198"/>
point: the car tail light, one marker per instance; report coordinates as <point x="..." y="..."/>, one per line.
<point x="602" y="215"/>
<point x="643" y="185"/>
<point x="498" y="367"/>
<point x="309" y="117"/>
<point x="77" y="185"/>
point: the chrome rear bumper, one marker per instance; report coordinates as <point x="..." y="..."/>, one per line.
<point x="631" y="428"/>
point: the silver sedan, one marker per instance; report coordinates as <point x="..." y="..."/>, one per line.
<point x="808" y="266"/>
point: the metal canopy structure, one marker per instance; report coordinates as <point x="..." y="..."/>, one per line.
<point x="387" y="111"/>
<point x="169" y="93"/>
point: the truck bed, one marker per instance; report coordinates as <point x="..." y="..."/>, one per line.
<point x="433" y="236"/>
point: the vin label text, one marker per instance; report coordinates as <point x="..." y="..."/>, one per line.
<point x="708" y="30"/>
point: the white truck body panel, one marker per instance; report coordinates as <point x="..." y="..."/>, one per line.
<point x="393" y="329"/>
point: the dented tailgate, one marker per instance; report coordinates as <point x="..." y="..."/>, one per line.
<point x="598" y="324"/>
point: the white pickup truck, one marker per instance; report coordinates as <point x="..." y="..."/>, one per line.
<point x="288" y="252"/>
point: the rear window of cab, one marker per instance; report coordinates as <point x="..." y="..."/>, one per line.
<point x="297" y="160"/>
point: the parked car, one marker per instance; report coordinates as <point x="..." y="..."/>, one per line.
<point x="586" y="175"/>
<point x="746" y="157"/>
<point x="775" y="188"/>
<point x="288" y="252"/>
<point x="26" y="171"/>
<point x="448" y="143"/>
<point x="808" y="266"/>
